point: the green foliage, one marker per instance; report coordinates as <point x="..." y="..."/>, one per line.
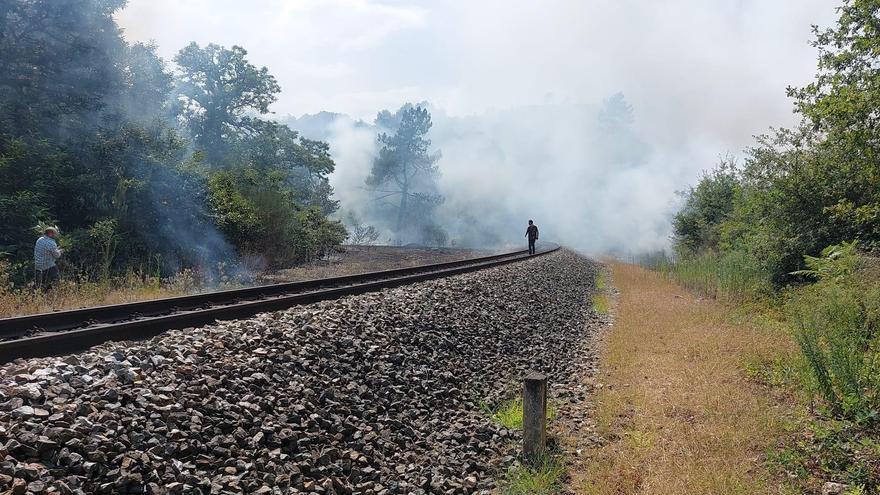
<point x="697" y="225"/>
<point x="510" y="413"/>
<point x="601" y="304"/>
<point x="803" y="202"/>
<point x="59" y="66"/>
<point x="732" y="276"/>
<point x="88" y="139"/>
<point x="803" y="189"/>
<point x="836" y="262"/>
<point x="836" y="325"/>
<point x="841" y="104"/>
<point x="219" y="90"/>
<point x="543" y="477"/>
<point x="260" y="217"/>
<point x="832" y="449"/>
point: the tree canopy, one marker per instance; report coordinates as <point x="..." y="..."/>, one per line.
<point x="800" y="190"/>
<point x="220" y="90"/>
<point x="138" y="166"/>
<point x="403" y="175"/>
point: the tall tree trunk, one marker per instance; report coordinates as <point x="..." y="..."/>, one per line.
<point x="404" y="195"/>
<point x="401" y="211"/>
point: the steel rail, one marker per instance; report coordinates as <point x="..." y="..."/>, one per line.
<point x="69" y="331"/>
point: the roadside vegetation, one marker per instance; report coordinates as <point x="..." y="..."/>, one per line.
<point x="675" y="411"/>
<point x="601" y="300"/>
<point x="543" y="476"/>
<point x="510" y="413"/>
<point x="792" y="234"/>
<point x="148" y="166"/>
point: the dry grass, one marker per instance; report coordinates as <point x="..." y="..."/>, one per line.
<point x="69" y="295"/>
<point x="678" y="408"/>
<point x="355" y="259"/>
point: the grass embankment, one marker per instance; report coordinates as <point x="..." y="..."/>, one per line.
<point x="679" y="408"/>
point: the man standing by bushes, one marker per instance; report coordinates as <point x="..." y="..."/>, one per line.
<point x="46" y="251"/>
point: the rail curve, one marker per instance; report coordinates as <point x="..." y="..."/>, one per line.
<point x="61" y="332"/>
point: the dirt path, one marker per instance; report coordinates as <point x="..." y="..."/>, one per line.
<point x="675" y="410"/>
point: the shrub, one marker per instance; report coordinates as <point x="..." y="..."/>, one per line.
<point x="836" y="323"/>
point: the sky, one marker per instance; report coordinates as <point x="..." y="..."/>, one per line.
<point x="703" y="76"/>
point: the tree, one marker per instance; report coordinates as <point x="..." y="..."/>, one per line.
<point x="813" y="186"/>
<point x="619" y="145"/>
<point x="148" y="83"/>
<point x="842" y="105"/>
<point x="261" y="216"/>
<point x="88" y="139"/>
<point x="58" y="65"/>
<point x="405" y="169"/>
<point x="706" y="207"/>
<point x="219" y="90"/>
<point x="616" y="112"/>
<point x="302" y="165"/>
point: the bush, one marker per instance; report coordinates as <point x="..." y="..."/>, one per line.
<point x="259" y="217"/>
<point x="836" y="322"/>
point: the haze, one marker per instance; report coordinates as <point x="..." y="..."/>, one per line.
<point x="515" y="89"/>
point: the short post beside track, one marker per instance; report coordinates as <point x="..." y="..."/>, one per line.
<point x="534" y="416"/>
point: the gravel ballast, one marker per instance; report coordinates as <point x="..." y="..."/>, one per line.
<point x="374" y="394"/>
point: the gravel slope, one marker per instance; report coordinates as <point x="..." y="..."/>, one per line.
<point x="375" y="394"/>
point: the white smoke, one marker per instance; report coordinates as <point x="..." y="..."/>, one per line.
<point x="522" y="83"/>
<point x="595" y="186"/>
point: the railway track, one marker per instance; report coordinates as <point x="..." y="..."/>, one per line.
<point x="63" y="332"/>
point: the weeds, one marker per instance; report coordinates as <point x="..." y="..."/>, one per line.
<point x="835" y="322"/>
<point x="734" y="276"/>
<point x="542" y="477"/>
<point x="836" y="325"/>
<point x="510" y="414"/>
<point x="601" y="304"/>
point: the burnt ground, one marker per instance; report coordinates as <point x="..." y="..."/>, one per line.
<point x="360" y="259"/>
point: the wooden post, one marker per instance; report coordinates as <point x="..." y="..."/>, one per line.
<point x="534" y="415"/>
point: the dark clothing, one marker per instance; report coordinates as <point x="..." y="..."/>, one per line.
<point x="532" y="234"/>
<point x="45" y="279"/>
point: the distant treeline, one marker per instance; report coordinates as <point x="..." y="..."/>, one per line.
<point x="801" y="190"/>
<point x="145" y="168"/>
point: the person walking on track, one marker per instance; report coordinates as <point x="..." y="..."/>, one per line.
<point x="532" y="234"/>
